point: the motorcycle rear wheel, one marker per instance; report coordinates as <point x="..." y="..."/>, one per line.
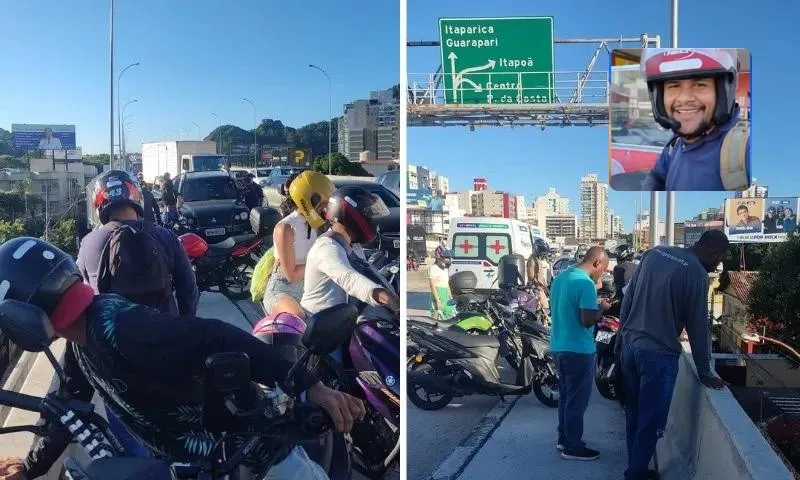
<point x="425" y="403"/>
<point x="235" y="280"/>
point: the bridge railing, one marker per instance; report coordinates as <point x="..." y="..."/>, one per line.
<point x="566" y="87"/>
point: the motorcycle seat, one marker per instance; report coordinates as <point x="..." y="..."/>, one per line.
<point x="222" y="248"/>
<point x="470" y="341"/>
<point x="239" y="239"/>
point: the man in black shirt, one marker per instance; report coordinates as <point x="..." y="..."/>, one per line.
<point x="152" y="213"/>
<point x="169" y="198"/>
<point x="147" y="366"/>
<point x="253" y="194"/>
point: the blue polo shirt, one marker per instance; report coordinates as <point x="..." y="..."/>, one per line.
<point x="693" y="166"/>
<point x="572" y="291"/>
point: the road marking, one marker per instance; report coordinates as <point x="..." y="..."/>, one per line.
<point x="462" y="455"/>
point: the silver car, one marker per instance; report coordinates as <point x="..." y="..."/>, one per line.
<point x="272" y="180"/>
<point x="390" y="180"/>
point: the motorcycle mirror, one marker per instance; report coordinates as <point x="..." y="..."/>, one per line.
<point x="26" y="325"/>
<point x="330" y="328"/>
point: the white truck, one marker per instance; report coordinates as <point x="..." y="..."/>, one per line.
<point x="177" y="157"/>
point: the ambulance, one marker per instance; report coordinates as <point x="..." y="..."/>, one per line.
<point x="478" y="243"/>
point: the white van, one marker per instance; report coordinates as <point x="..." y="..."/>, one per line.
<point x="478" y="243"/>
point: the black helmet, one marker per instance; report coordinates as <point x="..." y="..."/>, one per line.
<point x="444" y="257"/>
<point x="625" y="253"/>
<point x="111" y="188"/>
<point x="580" y="253"/>
<point x="356" y="209"/>
<point x="540" y="248"/>
<point x="35" y="272"/>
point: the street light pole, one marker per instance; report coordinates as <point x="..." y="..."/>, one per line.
<point x="255" y="123"/>
<point x="111" y="72"/>
<point x="219" y="132"/>
<point x="119" y="123"/>
<point x="119" y="113"/>
<point x="198" y="129"/>
<point x="330" y="116"/>
<point x="673" y="43"/>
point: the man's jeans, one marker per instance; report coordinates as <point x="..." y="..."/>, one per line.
<point x="575" y="375"/>
<point x="649" y="379"/>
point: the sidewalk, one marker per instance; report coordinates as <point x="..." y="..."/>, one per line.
<point x="524" y="444"/>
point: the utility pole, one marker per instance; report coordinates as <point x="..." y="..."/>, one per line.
<point x="673" y="43"/>
<point x="255" y="123"/>
<point x="111" y="109"/>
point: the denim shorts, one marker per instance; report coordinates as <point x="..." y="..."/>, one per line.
<point x="279" y="286"/>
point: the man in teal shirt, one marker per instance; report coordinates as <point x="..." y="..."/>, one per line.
<point x="575" y="311"/>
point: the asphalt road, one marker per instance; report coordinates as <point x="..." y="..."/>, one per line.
<point x="432" y="436"/>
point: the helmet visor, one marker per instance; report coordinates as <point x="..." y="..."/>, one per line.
<point x="375" y="208"/>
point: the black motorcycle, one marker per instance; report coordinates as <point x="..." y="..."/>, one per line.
<point x="230" y="399"/>
<point x="451" y="364"/>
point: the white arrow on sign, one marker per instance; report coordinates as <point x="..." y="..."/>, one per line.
<point x="456" y="78"/>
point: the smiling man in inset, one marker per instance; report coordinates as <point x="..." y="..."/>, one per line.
<point x="693" y="93"/>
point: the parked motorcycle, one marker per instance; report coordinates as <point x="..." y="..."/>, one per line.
<point x="606" y="362"/>
<point x="450" y="363"/>
<point x="230" y="399"/>
<point x="411" y="263"/>
<point x="228" y="265"/>
<point x="367" y="366"/>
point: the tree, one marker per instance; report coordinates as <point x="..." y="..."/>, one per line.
<point x="754" y="255"/>
<point x="62" y="235"/>
<point x="99" y="159"/>
<point x="341" y="166"/>
<point x="9" y="230"/>
<point x="774" y="299"/>
<point x="628" y="238"/>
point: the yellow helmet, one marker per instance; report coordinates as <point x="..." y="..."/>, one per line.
<point x="307" y="191"/>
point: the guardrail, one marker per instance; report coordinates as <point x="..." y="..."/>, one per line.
<point x="568" y="87"/>
<point x="709" y="435"/>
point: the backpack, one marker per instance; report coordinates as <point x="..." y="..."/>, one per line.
<point x="732" y="157"/>
<point x="261" y="275"/>
<point x="133" y="265"/>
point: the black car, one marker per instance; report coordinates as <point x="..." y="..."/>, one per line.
<point x="212" y="205"/>
<point x="390" y="225"/>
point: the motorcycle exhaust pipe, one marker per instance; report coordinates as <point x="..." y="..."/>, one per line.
<point x="434" y="383"/>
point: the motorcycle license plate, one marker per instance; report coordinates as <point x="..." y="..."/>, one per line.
<point x="213" y="232"/>
<point x="603" y="336"/>
<point x="397" y="244"/>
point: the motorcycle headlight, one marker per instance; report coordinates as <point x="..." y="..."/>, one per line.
<point x="243" y="216"/>
<point x="394" y="269"/>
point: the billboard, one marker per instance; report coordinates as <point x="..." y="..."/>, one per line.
<point x="424" y="198"/>
<point x="692" y="231"/>
<point x="43" y="137"/>
<point x="760" y="220"/>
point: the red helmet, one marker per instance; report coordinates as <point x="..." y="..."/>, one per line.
<point x="193" y="245"/>
<point x="659" y="65"/>
<point x="357" y="209"/>
<point x="113" y="188"/>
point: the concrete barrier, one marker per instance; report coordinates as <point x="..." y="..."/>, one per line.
<point x="709" y="436"/>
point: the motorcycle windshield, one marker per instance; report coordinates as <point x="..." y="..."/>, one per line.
<point x="364" y="268"/>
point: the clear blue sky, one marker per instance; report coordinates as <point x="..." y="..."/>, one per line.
<point x="527" y="161"/>
<point x="197" y="56"/>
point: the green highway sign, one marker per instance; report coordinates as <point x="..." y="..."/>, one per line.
<point x="497" y="60"/>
